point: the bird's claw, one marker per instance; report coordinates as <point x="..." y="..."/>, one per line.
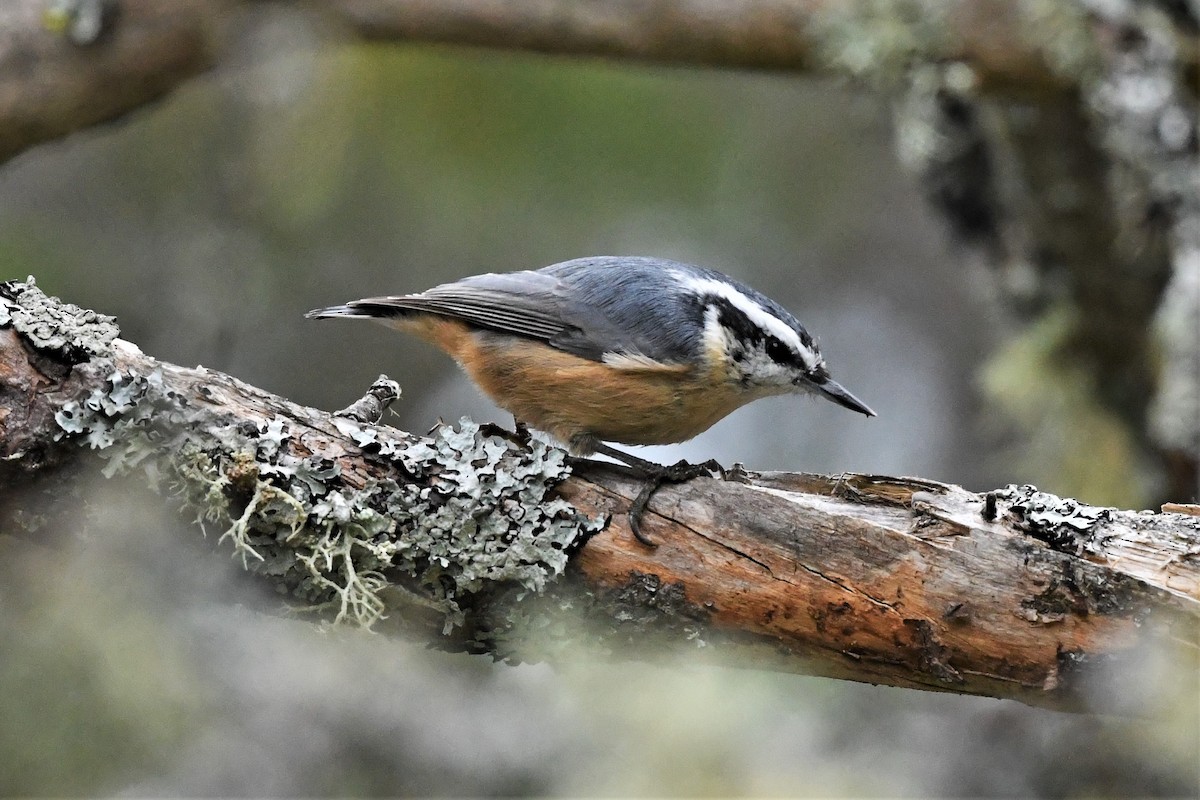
<point x="519" y="435"/>
<point x="679" y="472"/>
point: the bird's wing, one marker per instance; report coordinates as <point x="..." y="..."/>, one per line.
<point x="518" y="303"/>
<point x="624" y="311"/>
<point x="602" y="309"/>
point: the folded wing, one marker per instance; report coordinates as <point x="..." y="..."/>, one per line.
<point x="578" y="307"/>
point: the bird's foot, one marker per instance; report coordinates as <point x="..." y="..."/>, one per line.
<point x="656" y="476"/>
<point x="519" y="435"/>
<point x="521" y="431"/>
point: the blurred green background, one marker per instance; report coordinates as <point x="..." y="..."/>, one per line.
<point x="308" y="171"/>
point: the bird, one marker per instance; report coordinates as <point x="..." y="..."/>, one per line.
<point x="630" y="350"/>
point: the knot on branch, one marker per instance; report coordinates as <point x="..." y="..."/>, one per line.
<point x="370" y="407"/>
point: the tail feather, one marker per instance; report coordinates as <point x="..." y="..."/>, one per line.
<point x="362" y="309"/>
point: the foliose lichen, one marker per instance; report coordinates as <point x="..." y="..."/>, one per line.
<point x="466" y="510"/>
<point x="473" y="508"/>
<point x="81" y="21"/>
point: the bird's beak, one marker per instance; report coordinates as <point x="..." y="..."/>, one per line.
<point x="834" y="391"/>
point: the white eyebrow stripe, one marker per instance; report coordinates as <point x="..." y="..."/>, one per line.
<point x="757" y="314"/>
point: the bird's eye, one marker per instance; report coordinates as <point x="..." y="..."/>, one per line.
<point x="778" y="352"/>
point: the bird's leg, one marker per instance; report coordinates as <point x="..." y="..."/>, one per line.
<point x="519" y="436"/>
<point x="656" y="475"/>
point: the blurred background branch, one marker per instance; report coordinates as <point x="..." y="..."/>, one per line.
<point x="50" y="86"/>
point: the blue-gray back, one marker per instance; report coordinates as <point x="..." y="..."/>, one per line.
<point x="587" y="306"/>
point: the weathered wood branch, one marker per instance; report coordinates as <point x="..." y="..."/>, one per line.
<point x="478" y="540"/>
<point x="794" y="35"/>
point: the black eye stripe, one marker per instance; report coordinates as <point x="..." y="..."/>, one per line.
<point x="734" y="319"/>
<point x="751" y="334"/>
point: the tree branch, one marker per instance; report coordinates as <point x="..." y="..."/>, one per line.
<point x="480" y="541"/>
<point x="794" y="35"/>
<point x="50" y="85"/>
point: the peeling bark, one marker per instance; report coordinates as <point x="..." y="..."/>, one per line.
<point x="888" y="580"/>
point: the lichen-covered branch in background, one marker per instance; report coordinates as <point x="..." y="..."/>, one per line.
<point x="477" y="539"/>
<point x="1082" y="203"/>
<point x="53" y="82"/>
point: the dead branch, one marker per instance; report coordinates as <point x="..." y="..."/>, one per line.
<point x="793" y="35"/>
<point x="480" y="541"/>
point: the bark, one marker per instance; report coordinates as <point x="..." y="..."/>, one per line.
<point x="794" y="35"/>
<point x="54" y="82"/>
<point x="1083" y="205"/>
<point x="483" y="541"/>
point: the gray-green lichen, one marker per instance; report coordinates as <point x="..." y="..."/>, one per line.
<point x="47" y="323"/>
<point x="878" y="40"/>
<point x="1175" y="412"/>
<point x="925" y="133"/>
<point x="472" y="509"/>
<point x="81" y="21"/>
<point x="466" y="511"/>
<point x="1063" y="34"/>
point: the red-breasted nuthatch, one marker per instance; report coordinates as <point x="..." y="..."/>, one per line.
<point x="614" y="349"/>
